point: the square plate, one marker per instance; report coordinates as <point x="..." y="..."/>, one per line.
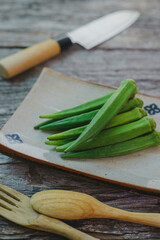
<point x="54" y="91"/>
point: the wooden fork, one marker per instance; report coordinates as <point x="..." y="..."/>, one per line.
<point x="16" y="207"/>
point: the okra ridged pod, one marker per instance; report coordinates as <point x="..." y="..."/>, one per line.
<point x="73" y="132"/>
<point x="85" y="107"/>
<point x="44" y="123"/>
<point x="85" y="118"/>
<point x="116" y="134"/>
<point x="118" y="99"/>
<point x="132" y="103"/>
<point x="70" y="122"/>
<point x="59" y="142"/>
<point x="118" y="120"/>
<point x="123" y="148"/>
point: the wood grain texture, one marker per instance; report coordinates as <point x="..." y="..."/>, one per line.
<point x="31" y="20"/>
<point x="134" y="54"/>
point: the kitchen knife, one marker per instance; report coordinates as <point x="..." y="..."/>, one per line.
<point x="88" y="36"/>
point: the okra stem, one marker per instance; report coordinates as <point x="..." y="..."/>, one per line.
<point x="107" y="112"/>
<point x="118" y="120"/>
<point x="116" y="134"/>
<point x="123" y="148"/>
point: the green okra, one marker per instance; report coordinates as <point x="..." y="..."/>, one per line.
<point x="118" y="120"/>
<point x="116" y="134"/>
<point x="58" y="142"/>
<point x="119" y="149"/>
<point x="132" y="103"/>
<point x="70" y="122"/>
<point x="44" y="123"/>
<point x="85" y="107"/>
<point x="73" y="132"/>
<point x="85" y="118"/>
<point x="118" y="99"/>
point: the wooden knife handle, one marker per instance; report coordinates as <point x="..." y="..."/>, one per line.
<point x="29" y="57"/>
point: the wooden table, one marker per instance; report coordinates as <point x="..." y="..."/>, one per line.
<point x="132" y="54"/>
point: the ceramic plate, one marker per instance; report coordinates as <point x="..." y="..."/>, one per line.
<point x="53" y="92"/>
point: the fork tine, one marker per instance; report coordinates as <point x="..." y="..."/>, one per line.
<point x="10" y="215"/>
<point x="8" y="199"/>
<point x="6" y="205"/>
<point x="12" y="193"/>
<point x="4" y="212"/>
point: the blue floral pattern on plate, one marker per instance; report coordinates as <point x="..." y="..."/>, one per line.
<point x="152" y="109"/>
<point x="14" y="138"/>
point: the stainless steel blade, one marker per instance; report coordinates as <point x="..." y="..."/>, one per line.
<point x="102" y="29"/>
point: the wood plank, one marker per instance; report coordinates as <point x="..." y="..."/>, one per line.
<point x="28" y="178"/>
<point x="133" y="38"/>
<point x="30" y="22"/>
<point x="133" y="54"/>
<point x="104" y="67"/>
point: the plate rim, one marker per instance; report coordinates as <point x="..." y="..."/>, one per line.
<point x="12" y="152"/>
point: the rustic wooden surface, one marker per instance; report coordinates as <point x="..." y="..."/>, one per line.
<point x="134" y="54"/>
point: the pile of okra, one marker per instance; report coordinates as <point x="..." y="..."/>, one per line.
<point x="109" y="126"/>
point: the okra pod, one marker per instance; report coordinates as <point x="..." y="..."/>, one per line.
<point x="70" y="122"/>
<point x="132" y="103"/>
<point x="85" y="107"/>
<point x="116" y="134"/>
<point x="73" y="132"/>
<point x="44" y="123"/>
<point x="85" y="118"/>
<point x="118" y="120"/>
<point x="118" y="99"/>
<point x="123" y="148"/>
<point x="59" y="142"/>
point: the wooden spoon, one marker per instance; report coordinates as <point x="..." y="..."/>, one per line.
<point x="71" y="205"/>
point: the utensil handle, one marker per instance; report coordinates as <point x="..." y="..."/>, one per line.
<point x="29" y="57"/>
<point x="52" y="225"/>
<point x="151" y="219"/>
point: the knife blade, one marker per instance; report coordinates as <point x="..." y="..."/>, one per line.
<point x="87" y="36"/>
<point x="102" y="29"/>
